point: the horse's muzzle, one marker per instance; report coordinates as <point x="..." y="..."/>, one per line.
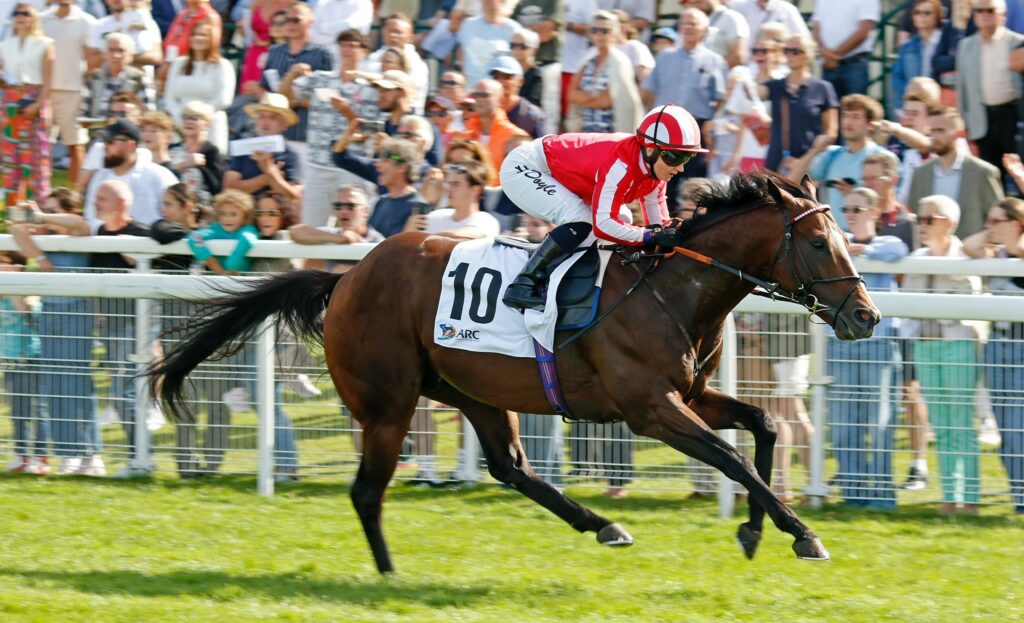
<point x="858" y="325"/>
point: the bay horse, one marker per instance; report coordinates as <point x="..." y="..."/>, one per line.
<point x="648" y="362"/>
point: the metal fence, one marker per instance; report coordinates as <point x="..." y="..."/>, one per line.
<point x="851" y="422"/>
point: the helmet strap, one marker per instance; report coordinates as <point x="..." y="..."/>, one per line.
<point x="651" y="159"/>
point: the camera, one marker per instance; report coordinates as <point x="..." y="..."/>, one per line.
<point x="371" y="127"/>
<point x="21" y="212"/>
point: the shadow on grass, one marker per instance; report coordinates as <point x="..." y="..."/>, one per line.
<point x="228" y="587"/>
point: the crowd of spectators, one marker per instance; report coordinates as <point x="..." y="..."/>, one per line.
<point x="345" y="121"/>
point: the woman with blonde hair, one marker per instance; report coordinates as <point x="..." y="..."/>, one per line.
<point x="26" y="62"/>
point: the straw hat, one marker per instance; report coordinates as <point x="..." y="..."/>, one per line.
<point x="275" y="103"/>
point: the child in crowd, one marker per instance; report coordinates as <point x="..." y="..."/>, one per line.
<point x="19" y="352"/>
<point x="234" y="213"/>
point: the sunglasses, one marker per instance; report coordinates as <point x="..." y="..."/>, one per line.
<point x="277" y="23"/>
<point x="984" y="11"/>
<point x="454" y="167"/>
<point x="600" y="31"/>
<point x="116" y="139"/>
<point x="793" y="51"/>
<point x="387" y="155"/>
<point x="346" y="205"/>
<point x="21" y="14"/>
<point x="437" y="113"/>
<point x="931" y="220"/>
<point x="497" y="75"/>
<point x="756" y="51"/>
<point x="406" y="135"/>
<point x="293" y="20"/>
<point x="261" y="212"/>
<point x="478" y="95"/>
<point x="676" y="158"/>
<point x="924" y="12"/>
<point x="449" y="83"/>
<point x="855" y="210"/>
<point x="517" y="46"/>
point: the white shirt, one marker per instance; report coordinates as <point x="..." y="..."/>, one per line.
<point x="212" y="83"/>
<point x="70" y="36"/>
<point x="472" y="8"/>
<point x="838" y="19"/>
<point x="97" y="152"/>
<point x="333" y="16"/>
<point x="774" y="11"/>
<point x="574" y="47"/>
<point x="639" y="54"/>
<point x="148" y="182"/>
<point x="23" y="62"/>
<point x="137" y="24"/>
<point x="997" y="81"/>
<point x="725" y="26"/>
<point x="420" y="73"/>
<point x="442" y="220"/>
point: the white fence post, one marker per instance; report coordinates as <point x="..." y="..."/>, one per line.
<point x="265" y="407"/>
<point x="143" y="462"/>
<point x="727" y="376"/>
<point x="469" y="470"/>
<point x="817" y="490"/>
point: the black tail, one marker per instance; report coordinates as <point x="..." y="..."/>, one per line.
<point x="298" y="299"/>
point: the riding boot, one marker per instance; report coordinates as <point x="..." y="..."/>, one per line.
<point x="522" y="292"/>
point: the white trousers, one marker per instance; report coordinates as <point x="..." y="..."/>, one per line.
<point x="527" y="180"/>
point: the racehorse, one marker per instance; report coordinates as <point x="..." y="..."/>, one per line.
<point x="647" y="362"/>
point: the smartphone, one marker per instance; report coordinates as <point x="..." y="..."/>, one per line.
<point x="422" y="208"/>
<point x="371" y="127"/>
<point x="848" y="180"/>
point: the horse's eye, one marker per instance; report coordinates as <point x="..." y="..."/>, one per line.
<point x="819" y="244"/>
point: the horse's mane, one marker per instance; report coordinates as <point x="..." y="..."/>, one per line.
<point x="744" y="192"/>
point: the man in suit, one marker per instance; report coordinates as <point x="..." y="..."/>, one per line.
<point x="987" y="91"/>
<point x="955" y="173"/>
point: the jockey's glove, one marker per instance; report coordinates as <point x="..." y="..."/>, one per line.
<point x="664" y="237"/>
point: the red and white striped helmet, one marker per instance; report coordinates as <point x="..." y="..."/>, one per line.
<point x="670" y="128"/>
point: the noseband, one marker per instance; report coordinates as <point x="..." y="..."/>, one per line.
<point x="786" y="251"/>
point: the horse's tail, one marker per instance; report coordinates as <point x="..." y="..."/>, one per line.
<point x="298" y="299"/>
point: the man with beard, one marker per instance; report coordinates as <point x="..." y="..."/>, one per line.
<point x="973" y="182"/>
<point x="146" y="180"/>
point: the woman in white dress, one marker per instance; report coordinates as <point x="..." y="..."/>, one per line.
<point x="202" y="75"/>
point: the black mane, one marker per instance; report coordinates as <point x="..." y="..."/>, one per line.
<point x="744" y="192"/>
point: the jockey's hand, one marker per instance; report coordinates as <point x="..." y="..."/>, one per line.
<point x="665" y="237"/>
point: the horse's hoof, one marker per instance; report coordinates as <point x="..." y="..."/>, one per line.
<point x="748" y="539"/>
<point x="614" y="535"/>
<point x="810" y="549"/>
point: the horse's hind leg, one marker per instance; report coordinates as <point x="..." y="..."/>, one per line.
<point x="498" y="431"/>
<point x="721" y="411"/>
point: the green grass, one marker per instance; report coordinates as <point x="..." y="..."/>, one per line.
<point x="94" y="550"/>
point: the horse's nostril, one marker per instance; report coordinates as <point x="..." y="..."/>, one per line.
<point x="867" y="316"/>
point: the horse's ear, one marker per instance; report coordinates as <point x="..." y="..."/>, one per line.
<point x="807" y="184"/>
<point x="774" y="191"/>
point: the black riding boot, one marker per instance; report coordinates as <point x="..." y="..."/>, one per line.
<point x="563" y="240"/>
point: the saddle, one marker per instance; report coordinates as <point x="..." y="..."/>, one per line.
<point x="579" y="291"/>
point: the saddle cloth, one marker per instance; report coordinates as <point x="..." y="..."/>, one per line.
<point x="470" y="314"/>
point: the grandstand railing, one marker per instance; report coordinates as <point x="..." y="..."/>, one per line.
<point x="145" y="287"/>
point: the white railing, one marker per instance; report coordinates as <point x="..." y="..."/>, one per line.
<point x="143" y="286"/>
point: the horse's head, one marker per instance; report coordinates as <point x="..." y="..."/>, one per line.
<point x="812" y="263"/>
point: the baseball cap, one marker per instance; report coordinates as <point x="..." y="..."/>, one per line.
<point x="393" y="79"/>
<point x="665" y="32"/>
<point x="440" y="101"/>
<point x="506" y="65"/>
<point x="123" y="128"/>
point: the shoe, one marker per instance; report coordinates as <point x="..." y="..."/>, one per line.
<point x="93" y="466"/>
<point x="129" y="471"/>
<point x="70" y="466"/>
<point x="522" y="293"/>
<point x="236" y="400"/>
<point x="916" y="480"/>
<point x="304" y="387"/>
<point x="19" y="465"/>
<point x="41" y="465"/>
<point x="616" y="493"/>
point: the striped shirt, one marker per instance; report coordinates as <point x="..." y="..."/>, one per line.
<point x="947" y="182"/>
<point x="281" y="60"/>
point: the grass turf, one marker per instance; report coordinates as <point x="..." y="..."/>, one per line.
<point x="163" y="550"/>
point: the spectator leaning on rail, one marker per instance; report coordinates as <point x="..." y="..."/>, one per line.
<point x="1003" y="237"/>
<point x="945" y="357"/>
<point x="862" y="399"/>
<point x="583" y="183"/>
<point x="146" y="180"/>
<point x="349" y="225"/>
<point x="233" y="211"/>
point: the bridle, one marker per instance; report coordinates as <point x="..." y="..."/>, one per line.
<point x="786" y="251"/>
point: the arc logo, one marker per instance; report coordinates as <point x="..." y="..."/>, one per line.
<point x="450" y="332"/>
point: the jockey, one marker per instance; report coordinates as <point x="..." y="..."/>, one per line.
<point x="583" y="183"/>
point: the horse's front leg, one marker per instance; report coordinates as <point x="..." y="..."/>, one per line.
<point x="680" y="427"/>
<point x="721" y="411"/>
